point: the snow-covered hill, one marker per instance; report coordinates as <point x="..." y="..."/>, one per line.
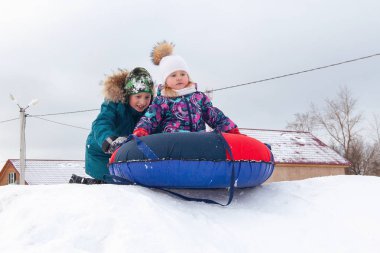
<point x="330" y="214"/>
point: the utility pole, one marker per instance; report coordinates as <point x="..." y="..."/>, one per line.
<point x="22" y="145"/>
<point x="22" y="137"/>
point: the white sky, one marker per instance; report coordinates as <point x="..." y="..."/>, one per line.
<point x="327" y="214"/>
<point x="59" y="51"/>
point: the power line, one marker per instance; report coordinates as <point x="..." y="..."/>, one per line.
<point x="8" y="120"/>
<point x="59" y="123"/>
<point x="296" y="73"/>
<point x="209" y="91"/>
<point x="59" y="113"/>
<point x="50" y="114"/>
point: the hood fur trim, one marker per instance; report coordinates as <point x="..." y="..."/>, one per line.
<point x="164" y="91"/>
<point x="114" y="86"/>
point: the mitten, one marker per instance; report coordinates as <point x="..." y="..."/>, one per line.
<point x="234" y="131"/>
<point x="116" y="144"/>
<point x="140" y="132"/>
<point x="112" y="143"/>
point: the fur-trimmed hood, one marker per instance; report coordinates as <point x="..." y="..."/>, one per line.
<point x="113" y="88"/>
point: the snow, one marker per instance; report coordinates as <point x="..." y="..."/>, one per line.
<point x="326" y="214"/>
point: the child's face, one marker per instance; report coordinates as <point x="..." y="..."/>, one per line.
<point x="140" y="101"/>
<point x="177" y="80"/>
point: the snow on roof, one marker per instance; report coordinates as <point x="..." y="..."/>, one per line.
<point x="50" y="171"/>
<point x="293" y="147"/>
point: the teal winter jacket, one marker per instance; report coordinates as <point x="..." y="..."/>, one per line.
<point x="114" y="120"/>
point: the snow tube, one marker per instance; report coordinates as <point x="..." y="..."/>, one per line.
<point x="196" y="160"/>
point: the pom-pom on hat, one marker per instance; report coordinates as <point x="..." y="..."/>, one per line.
<point x="162" y="55"/>
<point x="139" y="80"/>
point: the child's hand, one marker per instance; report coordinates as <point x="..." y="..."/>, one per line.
<point x="116" y="144"/>
<point x="140" y="132"/>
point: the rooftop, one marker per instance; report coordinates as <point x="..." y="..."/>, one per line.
<point x="294" y="147"/>
<point x="40" y="171"/>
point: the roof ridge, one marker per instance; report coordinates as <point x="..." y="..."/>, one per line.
<point x="274" y="130"/>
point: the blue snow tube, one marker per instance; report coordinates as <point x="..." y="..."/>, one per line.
<point x="197" y="160"/>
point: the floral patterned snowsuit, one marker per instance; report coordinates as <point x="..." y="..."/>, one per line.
<point x="187" y="113"/>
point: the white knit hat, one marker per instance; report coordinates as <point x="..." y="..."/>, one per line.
<point x="167" y="62"/>
<point x="170" y="64"/>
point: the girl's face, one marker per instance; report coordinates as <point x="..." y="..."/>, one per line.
<point x="140" y="101"/>
<point x="177" y="80"/>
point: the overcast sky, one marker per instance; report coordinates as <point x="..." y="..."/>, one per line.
<point x="60" y="51"/>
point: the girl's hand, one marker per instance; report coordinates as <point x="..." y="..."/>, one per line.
<point x="140" y="132"/>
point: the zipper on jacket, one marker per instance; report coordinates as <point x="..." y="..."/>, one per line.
<point x="189" y="112"/>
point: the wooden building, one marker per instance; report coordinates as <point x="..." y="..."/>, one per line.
<point x="299" y="155"/>
<point x="39" y="171"/>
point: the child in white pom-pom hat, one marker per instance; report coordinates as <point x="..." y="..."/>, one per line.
<point x="179" y="106"/>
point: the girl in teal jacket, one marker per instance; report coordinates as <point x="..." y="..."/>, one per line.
<point x="127" y="96"/>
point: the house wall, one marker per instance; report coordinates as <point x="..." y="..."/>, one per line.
<point x="294" y="172"/>
<point x="8" y="168"/>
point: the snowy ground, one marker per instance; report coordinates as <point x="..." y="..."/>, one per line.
<point x="330" y="214"/>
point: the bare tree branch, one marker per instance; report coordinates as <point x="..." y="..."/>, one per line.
<point x="365" y="159"/>
<point x="341" y="123"/>
<point x="376" y="127"/>
<point x="305" y="122"/>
